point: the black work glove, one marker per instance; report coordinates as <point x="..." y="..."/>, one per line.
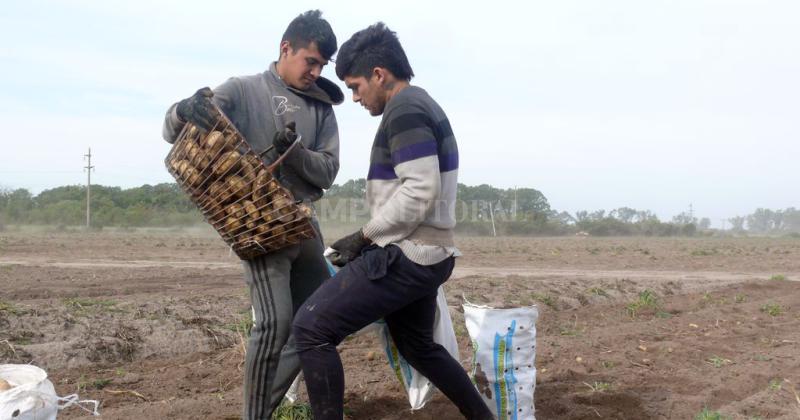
<point x="198" y="109"/>
<point x="284" y="138"/>
<point x="348" y="248"/>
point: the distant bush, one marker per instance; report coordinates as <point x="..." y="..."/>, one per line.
<point x="516" y="212"/>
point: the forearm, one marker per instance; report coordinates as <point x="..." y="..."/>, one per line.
<point x="319" y="166"/>
<point x="410" y="205"/>
<point x="316" y="168"/>
<point x="172" y="125"/>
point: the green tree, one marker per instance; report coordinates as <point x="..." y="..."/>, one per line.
<point x="18" y="204"/>
<point x="354" y="188"/>
<point x="760" y="221"/>
<point x="737" y="223"/>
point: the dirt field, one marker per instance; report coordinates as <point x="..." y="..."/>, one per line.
<point x="151" y="324"/>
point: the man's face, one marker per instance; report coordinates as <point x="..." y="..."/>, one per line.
<point x="367" y="92"/>
<point x="301" y="66"/>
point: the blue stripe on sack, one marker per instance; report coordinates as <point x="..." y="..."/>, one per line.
<point x="406" y="369"/>
<point x="414" y="151"/>
<point x="496" y="375"/>
<point x="381" y="171"/>
<point x="331" y="269"/>
<point x="510" y="379"/>
<point x="448" y="162"/>
<point x="397" y="364"/>
<point x="388" y="349"/>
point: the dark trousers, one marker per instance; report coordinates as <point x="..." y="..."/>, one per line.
<point x="381" y="283"/>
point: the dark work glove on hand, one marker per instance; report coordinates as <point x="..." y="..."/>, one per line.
<point x="198" y="109"/>
<point x="284" y="138"/>
<point x="348" y="248"/>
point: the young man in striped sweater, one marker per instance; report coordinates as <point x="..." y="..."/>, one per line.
<point x="393" y="265"/>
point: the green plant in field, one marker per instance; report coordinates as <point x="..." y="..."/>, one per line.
<point x="739" y="298"/>
<point x="288" y="411"/>
<point x="707" y="414"/>
<point x="703" y="252"/>
<point x="598" y="386"/>
<point x="778" y="277"/>
<point x="772" y="309"/>
<point x="606" y="364"/>
<point x="570" y="330"/>
<point x="9" y="308"/>
<point x="646" y="300"/>
<point x="84" y="304"/>
<point x="663" y="314"/>
<point x="775" y="384"/>
<point x="100" y="383"/>
<point x="460" y="330"/>
<point x="718" y="362"/>
<point x="243" y="324"/>
<point x="598" y="292"/>
<point x="83" y="383"/>
<point x="546" y="299"/>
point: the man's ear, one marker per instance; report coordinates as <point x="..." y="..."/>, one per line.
<point x="379" y="74"/>
<point x="285" y="48"/>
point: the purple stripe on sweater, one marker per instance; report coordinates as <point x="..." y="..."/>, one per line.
<point x="448" y="162"/>
<point x="386" y="171"/>
<point x="381" y="171"/>
<point x="414" y="151"/>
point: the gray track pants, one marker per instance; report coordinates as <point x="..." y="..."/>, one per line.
<point x="279" y="283"/>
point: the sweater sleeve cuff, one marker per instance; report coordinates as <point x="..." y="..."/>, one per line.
<point x="372" y="231"/>
<point x="174" y="115"/>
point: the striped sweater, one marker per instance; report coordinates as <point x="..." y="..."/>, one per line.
<point x="412" y="180"/>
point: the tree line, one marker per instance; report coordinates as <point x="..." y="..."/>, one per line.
<point x="481" y="210"/>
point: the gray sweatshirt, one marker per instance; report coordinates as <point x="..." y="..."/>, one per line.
<point x="260" y="104"/>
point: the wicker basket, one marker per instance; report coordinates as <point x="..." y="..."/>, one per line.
<point x="236" y="192"/>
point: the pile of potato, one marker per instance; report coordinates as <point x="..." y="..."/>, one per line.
<point x="236" y="192"/>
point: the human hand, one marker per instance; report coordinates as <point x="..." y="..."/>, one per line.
<point x="284" y="138"/>
<point x="198" y="109"/>
<point x="348" y="248"/>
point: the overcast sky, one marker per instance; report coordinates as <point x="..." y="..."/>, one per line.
<point x="647" y="104"/>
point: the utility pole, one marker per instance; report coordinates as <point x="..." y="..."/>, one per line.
<point x="491" y="214"/>
<point x="89" y="169"/>
<point x="515" y="202"/>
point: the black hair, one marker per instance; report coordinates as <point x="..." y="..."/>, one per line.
<point x="311" y="27"/>
<point x="376" y="46"/>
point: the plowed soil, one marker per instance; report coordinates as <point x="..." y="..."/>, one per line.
<point x="151" y="324"/>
